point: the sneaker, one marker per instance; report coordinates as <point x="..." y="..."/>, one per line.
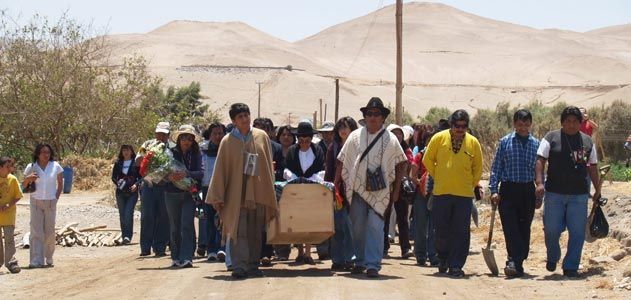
<point x="221" y="256"/>
<point x="358" y="270"/>
<point x="201" y="251"/>
<point x="49" y="265"/>
<point x="229" y="268"/>
<point x="421" y="261"/>
<point x="442" y="266"/>
<point x="33" y="266"/>
<point x="145" y="253"/>
<point x="571" y="274"/>
<point x="239" y="273"/>
<point x="175" y="263"/>
<point x="372" y="273"/>
<point x="186" y="264"/>
<point x="256" y="273"/>
<point x="407" y="254"/>
<point x="551" y="266"/>
<point x="212" y="257"/>
<point x="161" y="254"/>
<point x="14" y="268"/>
<point x="126" y="241"/>
<point x="266" y="262"/>
<point x="510" y="270"/>
<point x="456" y="272"/>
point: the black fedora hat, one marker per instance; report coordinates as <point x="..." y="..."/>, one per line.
<point x="304" y="128"/>
<point x="375" y="102"/>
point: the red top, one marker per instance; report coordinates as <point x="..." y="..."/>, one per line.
<point x="586" y="128"/>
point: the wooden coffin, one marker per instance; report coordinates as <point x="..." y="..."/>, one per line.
<point x="306" y="215"/>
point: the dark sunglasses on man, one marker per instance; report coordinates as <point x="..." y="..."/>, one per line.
<point x="372" y="114"/>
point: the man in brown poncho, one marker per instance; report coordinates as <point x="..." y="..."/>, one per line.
<point x="242" y="191"/>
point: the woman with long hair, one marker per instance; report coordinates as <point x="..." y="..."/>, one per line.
<point x="47" y="175"/>
<point x="126" y="177"/>
<point x="342" y="251"/>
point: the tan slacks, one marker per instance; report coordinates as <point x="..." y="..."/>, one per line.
<point x="7" y="252"/>
<point x="43" y="213"/>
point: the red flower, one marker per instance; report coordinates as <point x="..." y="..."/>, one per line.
<point x="144" y="164"/>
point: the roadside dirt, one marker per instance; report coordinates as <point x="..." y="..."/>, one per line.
<point x="118" y="272"/>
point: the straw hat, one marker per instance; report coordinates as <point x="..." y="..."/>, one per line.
<point x="186" y="129"/>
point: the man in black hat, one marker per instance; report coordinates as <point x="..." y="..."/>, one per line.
<point x="371" y="165"/>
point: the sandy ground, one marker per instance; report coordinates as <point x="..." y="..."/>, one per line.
<point x="118" y="272"/>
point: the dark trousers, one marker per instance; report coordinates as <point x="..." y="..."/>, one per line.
<point x="126" y="202"/>
<point x="154" y="220"/>
<point x="401" y="207"/>
<point x="517" y="208"/>
<point x="181" y="216"/>
<point x="452" y="220"/>
<point x="209" y="235"/>
<point x="266" y="250"/>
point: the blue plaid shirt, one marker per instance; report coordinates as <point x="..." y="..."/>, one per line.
<point x="514" y="161"/>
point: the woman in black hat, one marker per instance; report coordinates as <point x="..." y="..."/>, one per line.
<point x="304" y="160"/>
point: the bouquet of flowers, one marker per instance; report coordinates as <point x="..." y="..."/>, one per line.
<point x="158" y="163"/>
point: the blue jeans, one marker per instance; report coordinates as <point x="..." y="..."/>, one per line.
<point x="209" y="237"/>
<point x="126" y="202"/>
<point x="560" y="212"/>
<point x="367" y="234"/>
<point x="154" y="220"/>
<point x="181" y="218"/>
<point x="342" y="242"/>
<point x="424" y="238"/>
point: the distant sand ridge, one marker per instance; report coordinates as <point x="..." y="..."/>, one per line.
<point x="451" y="58"/>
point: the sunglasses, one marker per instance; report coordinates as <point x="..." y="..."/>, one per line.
<point x="372" y="114"/>
<point x="460" y="126"/>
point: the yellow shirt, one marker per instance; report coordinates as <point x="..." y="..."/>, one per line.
<point x="9" y="191"/>
<point x="454" y="173"/>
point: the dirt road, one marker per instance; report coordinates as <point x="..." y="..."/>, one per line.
<point x="118" y="272"/>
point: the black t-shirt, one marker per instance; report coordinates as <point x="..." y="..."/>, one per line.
<point x="568" y="157"/>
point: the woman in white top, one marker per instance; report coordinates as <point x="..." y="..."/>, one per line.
<point x="126" y="177"/>
<point x="47" y="175"/>
<point x="304" y="160"/>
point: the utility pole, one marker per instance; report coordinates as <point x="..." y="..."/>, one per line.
<point x="399" y="84"/>
<point x="320" y="111"/>
<point x="337" y="99"/>
<point x="258" y="113"/>
<point x="325" y="106"/>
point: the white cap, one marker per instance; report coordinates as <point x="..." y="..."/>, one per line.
<point x="163" y="127"/>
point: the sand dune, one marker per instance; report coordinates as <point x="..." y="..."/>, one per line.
<point x="451" y="58"/>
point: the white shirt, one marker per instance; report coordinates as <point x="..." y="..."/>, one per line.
<point x="126" y="165"/>
<point x="46" y="184"/>
<point x="306" y="159"/>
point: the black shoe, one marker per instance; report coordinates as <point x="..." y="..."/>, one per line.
<point x="323" y="256"/>
<point x="434" y="261"/>
<point x="201" y="252"/>
<point x="372" y="273"/>
<point x="456" y="272"/>
<point x="161" y="254"/>
<point x="358" y="270"/>
<point x="551" y="266"/>
<point x="239" y="273"/>
<point x="256" y="273"/>
<point x="337" y="267"/>
<point x="145" y="253"/>
<point x="442" y="266"/>
<point x="407" y="254"/>
<point x="510" y="270"/>
<point x="266" y="261"/>
<point x="421" y="261"/>
<point x="571" y="274"/>
<point x="348" y="266"/>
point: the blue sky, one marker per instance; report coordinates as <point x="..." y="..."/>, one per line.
<point x="296" y="19"/>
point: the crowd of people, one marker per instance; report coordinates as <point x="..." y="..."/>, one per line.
<point x="426" y="174"/>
